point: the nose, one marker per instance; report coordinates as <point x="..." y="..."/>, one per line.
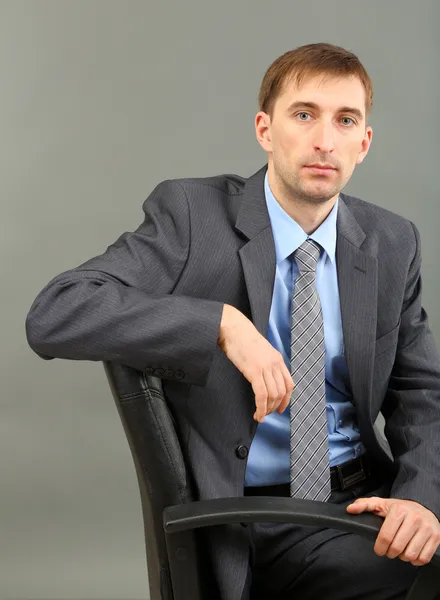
<point x="324" y="137"/>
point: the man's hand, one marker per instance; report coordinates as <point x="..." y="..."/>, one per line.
<point x="410" y="531"/>
<point x="261" y="364"/>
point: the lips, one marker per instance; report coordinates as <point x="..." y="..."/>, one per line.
<point x="318" y="166"/>
<point x="320" y="169"/>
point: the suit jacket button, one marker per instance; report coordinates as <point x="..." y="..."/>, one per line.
<point x="179" y="374"/>
<point x="242" y="451"/>
<point x="159" y="372"/>
<point x="169" y="373"/>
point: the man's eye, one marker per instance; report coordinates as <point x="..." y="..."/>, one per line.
<point x="347" y="119"/>
<point x="303" y="114"/>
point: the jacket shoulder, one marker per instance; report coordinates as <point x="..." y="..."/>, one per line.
<point x="377" y="219"/>
<point x="229" y="184"/>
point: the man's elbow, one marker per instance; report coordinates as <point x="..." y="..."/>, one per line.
<point x="36" y="338"/>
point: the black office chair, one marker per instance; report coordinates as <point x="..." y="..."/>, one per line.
<point x="172" y="517"/>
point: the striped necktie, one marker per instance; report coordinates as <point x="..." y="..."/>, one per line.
<point x="309" y="456"/>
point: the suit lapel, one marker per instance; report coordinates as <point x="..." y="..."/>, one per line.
<point x="257" y="256"/>
<point x="357" y="277"/>
<point x="357" y="280"/>
<point x="258" y="262"/>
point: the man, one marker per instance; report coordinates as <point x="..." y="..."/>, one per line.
<point x="251" y="296"/>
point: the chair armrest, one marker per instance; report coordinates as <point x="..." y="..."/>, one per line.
<point x="270" y="509"/>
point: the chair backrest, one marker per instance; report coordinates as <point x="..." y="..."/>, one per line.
<point x="160" y="467"/>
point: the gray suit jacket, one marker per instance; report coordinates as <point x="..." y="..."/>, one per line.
<point x="153" y="300"/>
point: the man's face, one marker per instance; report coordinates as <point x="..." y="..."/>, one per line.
<point x="321" y="122"/>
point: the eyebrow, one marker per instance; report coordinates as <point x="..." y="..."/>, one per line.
<point x="345" y="109"/>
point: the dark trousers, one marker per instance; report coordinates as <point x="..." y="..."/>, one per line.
<point x="297" y="562"/>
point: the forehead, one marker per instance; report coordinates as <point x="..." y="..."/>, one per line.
<point x="329" y="92"/>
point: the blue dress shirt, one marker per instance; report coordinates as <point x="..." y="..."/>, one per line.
<point x="269" y="455"/>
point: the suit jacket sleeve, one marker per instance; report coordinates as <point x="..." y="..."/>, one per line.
<point x="120" y="306"/>
<point x="412" y="404"/>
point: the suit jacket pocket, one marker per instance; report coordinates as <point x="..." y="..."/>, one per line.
<point x="387" y="341"/>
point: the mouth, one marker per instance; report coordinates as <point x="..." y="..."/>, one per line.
<point x="320" y="169"/>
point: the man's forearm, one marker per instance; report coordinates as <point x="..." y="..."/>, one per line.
<point x="86" y="316"/>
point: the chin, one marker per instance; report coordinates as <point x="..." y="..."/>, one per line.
<point x="321" y="194"/>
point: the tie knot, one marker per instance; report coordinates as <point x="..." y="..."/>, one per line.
<point x="307" y="255"/>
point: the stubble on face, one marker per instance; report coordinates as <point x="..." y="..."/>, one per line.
<point x="307" y="189"/>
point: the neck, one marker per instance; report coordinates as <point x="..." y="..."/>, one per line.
<point x="308" y="215"/>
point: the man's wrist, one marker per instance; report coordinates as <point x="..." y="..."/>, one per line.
<point x="228" y="317"/>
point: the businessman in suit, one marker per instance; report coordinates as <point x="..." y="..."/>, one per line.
<point x="283" y="316"/>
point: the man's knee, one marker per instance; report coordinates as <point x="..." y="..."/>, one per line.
<point x="362" y="573"/>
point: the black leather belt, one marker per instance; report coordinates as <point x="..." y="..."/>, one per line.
<point x="343" y="477"/>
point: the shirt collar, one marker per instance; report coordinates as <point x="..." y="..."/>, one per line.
<point x="289" y="236"/>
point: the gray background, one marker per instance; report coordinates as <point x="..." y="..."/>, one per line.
<point x="100" y="101"/>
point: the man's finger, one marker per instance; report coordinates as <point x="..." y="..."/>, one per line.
<point x="373" y="504"/>
<point x="416" y="544"/>
<point x="272" y="391"/>
<point x="426" y="553"/>
<point x="260" y="392"/>
<point x="281" y="388"/>
<point x="289" y="388"/>
<point x="395" y="534"/>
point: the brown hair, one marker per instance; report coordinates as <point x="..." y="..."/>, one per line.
<point x="310" y="60"/>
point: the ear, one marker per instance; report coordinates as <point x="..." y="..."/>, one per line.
<point x="365" y="145"/>
<point x="263" y="131"/>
